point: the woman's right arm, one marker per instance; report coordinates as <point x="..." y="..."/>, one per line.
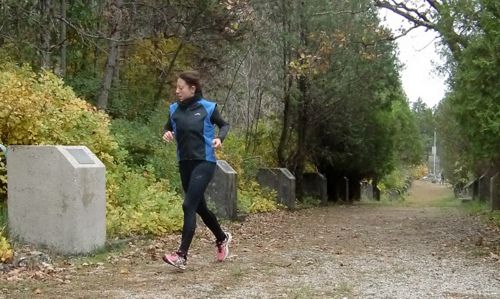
<point x="168" y="134"/>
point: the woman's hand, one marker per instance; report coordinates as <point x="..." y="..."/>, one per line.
<point x="168" y="136"/>
<point x="216" y="143"/>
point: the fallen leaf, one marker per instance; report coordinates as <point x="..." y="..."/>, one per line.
<point x="495" y="257"/>
<point x="124" y="271"/>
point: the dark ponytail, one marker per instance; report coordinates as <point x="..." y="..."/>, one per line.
<point x="192" y="78"/>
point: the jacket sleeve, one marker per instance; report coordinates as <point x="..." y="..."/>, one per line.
<point x="167" y="126"/>
<point x="221" y="123"/>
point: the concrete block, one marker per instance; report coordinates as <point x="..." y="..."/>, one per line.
<point x="366" y="191"/>
<point x="315" y="185"/>
<point x="282" y="181"/>
<point x="484" y="187"/>
<point x="471" y="189"/>
<point x="57" y="197"/>
<point x="495" y="192"/>
<point x="222" y="191"/>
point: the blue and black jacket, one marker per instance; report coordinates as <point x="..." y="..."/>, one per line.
<point x="192" y="122"/>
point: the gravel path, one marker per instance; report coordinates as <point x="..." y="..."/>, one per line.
<point x="420" y="249"/>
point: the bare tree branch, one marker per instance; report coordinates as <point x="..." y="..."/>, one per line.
<point x="405" y="12"/>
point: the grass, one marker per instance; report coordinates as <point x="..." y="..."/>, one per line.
<point x="482" y="209"/>
<point x="308" y="202"/>
<point x="302" y="293"/>
<point x="476" y="208"/>
<point x="442" y="202"/>
<point x="99" y="255"/>
<point x="237" y="271"/>
<point x="341" y="290"/>
<point x="344" y="289"/>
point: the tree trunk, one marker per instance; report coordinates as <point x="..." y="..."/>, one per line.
<point x="165" y="73"/>
<point x="45" y="13"/>
<point x="3" y="15"/>
<point x="234" y="79"/>
<point x="303" y="121"/>
<point x="258" y="108"/>
<point x="287" y="84"/>
<point x="376" y="190"/>
<point x="115" y="23"/>
<point x="355" y="189"/>
<point x="248" y="127"/>
<point x="302" y="124"/>
<point x="62" y="63"/>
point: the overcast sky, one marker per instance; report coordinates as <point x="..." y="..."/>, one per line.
<point x="417" y="51"/>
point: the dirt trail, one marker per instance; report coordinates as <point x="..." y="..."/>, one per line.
<point x="426" y="247"/>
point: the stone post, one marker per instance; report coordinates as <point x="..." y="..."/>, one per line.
<point x="57" y="197"/>
<point x="221" y="192"/>
<point x="315" y="185"/>
<point x="282" y="181"/>
<point x="484" y="187"/>
<point x="366" y="191"/>
<point x="495" y="192"/>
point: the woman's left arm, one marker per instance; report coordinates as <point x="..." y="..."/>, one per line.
<point x="221" y="123"/>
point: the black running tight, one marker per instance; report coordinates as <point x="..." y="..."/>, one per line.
<point x="195" y="177"/>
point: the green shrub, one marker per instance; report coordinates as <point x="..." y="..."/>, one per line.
<point x="394" y="181"/>
<point x="146" y="148"/>
<point x="254" y="199"/>
<point x="3" y="178"/>
<point x="138" y="203"/>
<point x="483" y="209"/>
<point x="6" y="253"/>
<point x="39" y="109"/>
<point x="309" y="202"/>
<point x="246" y="159"/>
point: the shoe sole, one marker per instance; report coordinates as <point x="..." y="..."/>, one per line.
<point x="166" y="260"/>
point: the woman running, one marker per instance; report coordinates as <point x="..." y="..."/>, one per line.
<point x="191" y="123"/>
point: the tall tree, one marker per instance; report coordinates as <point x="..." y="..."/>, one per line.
<point x="425" y="122"/>
<point x="469" y="29"/>
<point x="46" y="12"/>
<point x="63" y="39"/>
<point x="115" y="15"/>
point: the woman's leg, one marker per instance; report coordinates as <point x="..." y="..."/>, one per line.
<point x="197" y="175"/>
<point x="210" y="220"/>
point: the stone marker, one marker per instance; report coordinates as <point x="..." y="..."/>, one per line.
<point x="221" y="192"/>
<point x="376" y="193"/>
<point x="57" y="197"/>
<point x="366" y="191"/>
<point x="282" y="181"/>
<point x="471" y="189"/>
<point x="484" y="187"/>
<point x="315" y="185"/>
<point x="495" y="192"/>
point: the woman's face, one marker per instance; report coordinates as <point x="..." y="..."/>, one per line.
<point x="183" y="91"/>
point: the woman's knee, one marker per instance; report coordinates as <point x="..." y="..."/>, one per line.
<point x="188" y="207"/>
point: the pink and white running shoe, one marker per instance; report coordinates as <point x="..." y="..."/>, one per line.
<point x="223" y="247"/>
<point x="176" y="260"/>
